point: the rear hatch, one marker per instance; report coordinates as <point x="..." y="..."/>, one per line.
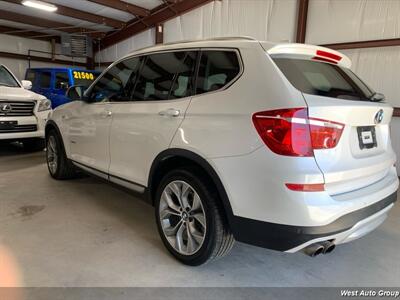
<point x="363" y="154"/>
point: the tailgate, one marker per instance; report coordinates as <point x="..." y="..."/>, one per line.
<point x="364" y="153"/>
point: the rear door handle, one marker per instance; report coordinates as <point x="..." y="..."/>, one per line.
<point x="171" y="112"/>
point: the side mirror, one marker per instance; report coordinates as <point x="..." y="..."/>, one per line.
<point x="26" y="84"/>
<point x="76" y="92"/>
<point x="378" y="97"/>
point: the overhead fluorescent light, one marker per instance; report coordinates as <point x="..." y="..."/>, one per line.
<point x="40" y="5"/>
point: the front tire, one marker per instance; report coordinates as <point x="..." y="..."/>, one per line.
<point x="60" y="167"/>
<point x="189" y="218"/>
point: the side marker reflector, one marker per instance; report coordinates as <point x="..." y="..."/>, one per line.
<point x="315" y="187"/>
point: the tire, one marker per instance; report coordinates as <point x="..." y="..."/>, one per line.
<point x="185" y="244"/>
<point x="32" y="145"/>
<point x="59" y="166"/>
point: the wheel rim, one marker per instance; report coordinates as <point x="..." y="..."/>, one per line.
<point x="52" y="154"/>
<point x="182" y="217"/>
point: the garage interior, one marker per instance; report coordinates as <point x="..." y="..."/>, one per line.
<point x="84" y="233"/>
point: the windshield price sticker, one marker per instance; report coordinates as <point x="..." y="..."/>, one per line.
<point x="83" y="75"/>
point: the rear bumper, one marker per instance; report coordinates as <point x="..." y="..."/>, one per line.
<point x="294" y="238"/>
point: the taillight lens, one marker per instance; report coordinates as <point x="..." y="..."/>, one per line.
<point x="291" y="132"/>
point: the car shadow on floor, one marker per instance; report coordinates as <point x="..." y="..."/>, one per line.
<point x="20" y="157"/>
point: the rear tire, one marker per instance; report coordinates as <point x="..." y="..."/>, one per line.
<point x="190" y="219"/>
<point x="59" y="166"/>
<point x="33" y="145"/>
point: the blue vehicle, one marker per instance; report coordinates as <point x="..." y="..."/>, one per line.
<point x="54" y="82"/>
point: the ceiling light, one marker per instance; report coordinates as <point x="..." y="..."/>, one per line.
<point x="39" y="5"/>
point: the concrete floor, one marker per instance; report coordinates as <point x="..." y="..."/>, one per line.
<point x="86" y="233"/>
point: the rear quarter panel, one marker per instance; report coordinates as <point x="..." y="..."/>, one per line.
<point x="219" y="124"/>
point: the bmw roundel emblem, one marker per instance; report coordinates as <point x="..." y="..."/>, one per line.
<point x="379" y="116"/>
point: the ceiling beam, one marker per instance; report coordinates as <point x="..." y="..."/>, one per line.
<point x="41" y="59"/>
<point x="27" y="34"/>
<point x="79" y="14"/>
<point x="302" y="21"/>
<point x="158" y="16"/>
<point x="35" y="21"/>
<point x="124" y="6"/>
<point x="364" y="44"/>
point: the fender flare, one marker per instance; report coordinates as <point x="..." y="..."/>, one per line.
<point x="205" y="165"/>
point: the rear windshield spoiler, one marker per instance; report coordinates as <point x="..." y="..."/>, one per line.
<point x="309" y="52"/>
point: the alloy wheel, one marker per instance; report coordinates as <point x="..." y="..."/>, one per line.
<point x="52" y="154"/>
<point x="182" y="217"/>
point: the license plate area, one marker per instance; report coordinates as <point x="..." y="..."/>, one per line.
<point x="4" y="125"/>
<point x="366" y="137"/>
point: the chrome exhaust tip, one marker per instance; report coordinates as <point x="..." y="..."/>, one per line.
<point x="314" y="250"/>
<point x="328" y="247"/>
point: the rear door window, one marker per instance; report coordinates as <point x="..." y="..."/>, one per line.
<point x="217" y="69"/>
<point x="323" y="79"/>
<point x="166" y="76"/>
<point x="62" y="81"/>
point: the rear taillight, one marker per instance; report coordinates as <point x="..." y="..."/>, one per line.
<point x="291" y="132"/>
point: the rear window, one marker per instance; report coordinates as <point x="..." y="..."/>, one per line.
<point x="322" y="79"/>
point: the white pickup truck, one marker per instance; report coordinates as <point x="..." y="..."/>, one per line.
<point x="23" y="114"/>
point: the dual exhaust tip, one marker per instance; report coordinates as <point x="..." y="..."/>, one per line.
<point x="319" y="248"/>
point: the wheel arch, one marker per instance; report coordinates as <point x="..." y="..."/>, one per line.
<point x="181" y="157"/>
<point x="51" y="125"/>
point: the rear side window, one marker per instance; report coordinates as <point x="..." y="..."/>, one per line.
<point x="117" y="84"/>
<point x="45" y="80"/>
<point x="217" y="69"/>
<point x="62" y="81"/>
<point x="323" y="79"/>
<point x="166" y="76"/>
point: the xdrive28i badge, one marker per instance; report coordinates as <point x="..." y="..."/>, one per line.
<point x="379" y="116"/>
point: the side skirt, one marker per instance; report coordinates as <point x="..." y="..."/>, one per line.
<point x="136" y="189"/>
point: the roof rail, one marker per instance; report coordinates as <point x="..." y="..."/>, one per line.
<point x="222" y="38"/>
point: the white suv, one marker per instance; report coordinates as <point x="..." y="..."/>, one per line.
<point x="279" y="146"/>
<point x="23" y="114"/>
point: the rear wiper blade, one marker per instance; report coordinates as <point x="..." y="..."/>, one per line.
<point x="377" y="97"/>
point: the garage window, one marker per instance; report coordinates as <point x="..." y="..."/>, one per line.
<point x="217" y="69"/>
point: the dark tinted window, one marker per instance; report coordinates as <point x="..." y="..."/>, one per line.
<point x="323" y="79"/>
<point x="117" y="84"/>
<point x="217" y="69"/>
<point x="45" y="80"/>
<point x="166" y="76"/>
<point x="62" y="80"/>
<point x="6" y="79"/>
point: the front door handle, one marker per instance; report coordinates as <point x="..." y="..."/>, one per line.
<point x="171" y="112"/>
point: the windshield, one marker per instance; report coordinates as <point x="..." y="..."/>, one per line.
<point x="323" y="79"/>
<point x="84" y="78"/>
<point x="6" y="79"/>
